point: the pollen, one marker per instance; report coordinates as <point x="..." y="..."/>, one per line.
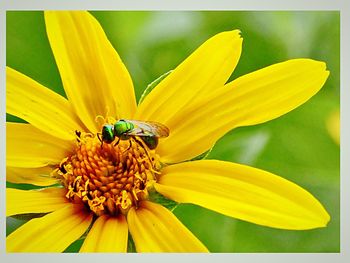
<point x="108" y="178"/>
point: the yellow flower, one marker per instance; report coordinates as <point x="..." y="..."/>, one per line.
<point x="108" y="186"/>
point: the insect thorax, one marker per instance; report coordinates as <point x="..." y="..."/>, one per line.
<point x="121" y="127"/>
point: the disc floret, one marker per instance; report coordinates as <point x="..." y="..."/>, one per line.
<point x="108" y="178"/>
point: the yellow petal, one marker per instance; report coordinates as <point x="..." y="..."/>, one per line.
<point x="43" y="108"/>
<point x="108" y="234"/>
<point x="26" y="146"/>
<point x="200" y="75"/>
<point x="34" y="201"/>
<point x="51" y="233"/>
<point x="243" y="192"/>
<point x="251" y="99"/>
<point x="155" y="229"/>
<point x="93" y="75"/>
<point x="36" y="176"/>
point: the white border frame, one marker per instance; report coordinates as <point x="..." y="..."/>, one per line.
<point x="248" y="5"/>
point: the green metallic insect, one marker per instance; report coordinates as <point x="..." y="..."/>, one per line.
<point x="148" y="131"/>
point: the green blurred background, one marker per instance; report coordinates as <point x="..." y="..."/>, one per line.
<point x="296" y="146"/>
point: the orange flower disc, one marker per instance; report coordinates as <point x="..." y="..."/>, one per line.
<point x="108" y="178"/>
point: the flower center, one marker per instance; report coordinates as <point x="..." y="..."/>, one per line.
<point x="108" y="178"/>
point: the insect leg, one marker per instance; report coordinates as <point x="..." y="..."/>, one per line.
<point x="141" y="143"/>
<point x="116" y="142"/>
<point x="78" y="134"/>
<point x="99" y="138"/>
<point x="129" y="145"/>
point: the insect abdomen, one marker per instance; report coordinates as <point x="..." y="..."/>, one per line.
<point x="150" y="141"/>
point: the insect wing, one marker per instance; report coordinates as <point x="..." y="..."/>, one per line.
<point x="148" y="128"/>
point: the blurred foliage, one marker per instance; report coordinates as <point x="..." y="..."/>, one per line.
<point x="296" y="146"/>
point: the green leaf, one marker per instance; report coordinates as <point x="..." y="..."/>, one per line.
<point x="12" y="224"/>
<point x="202" y="156"/>
<point x="131" y="245"/>
<point x="152" y="85"/>
<point x="162" y="200"/>
<point x="23" y="186"/>
<point x="12" y="118"/>
<point x="28" y="216"/>
<point x="74" y="247"/>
